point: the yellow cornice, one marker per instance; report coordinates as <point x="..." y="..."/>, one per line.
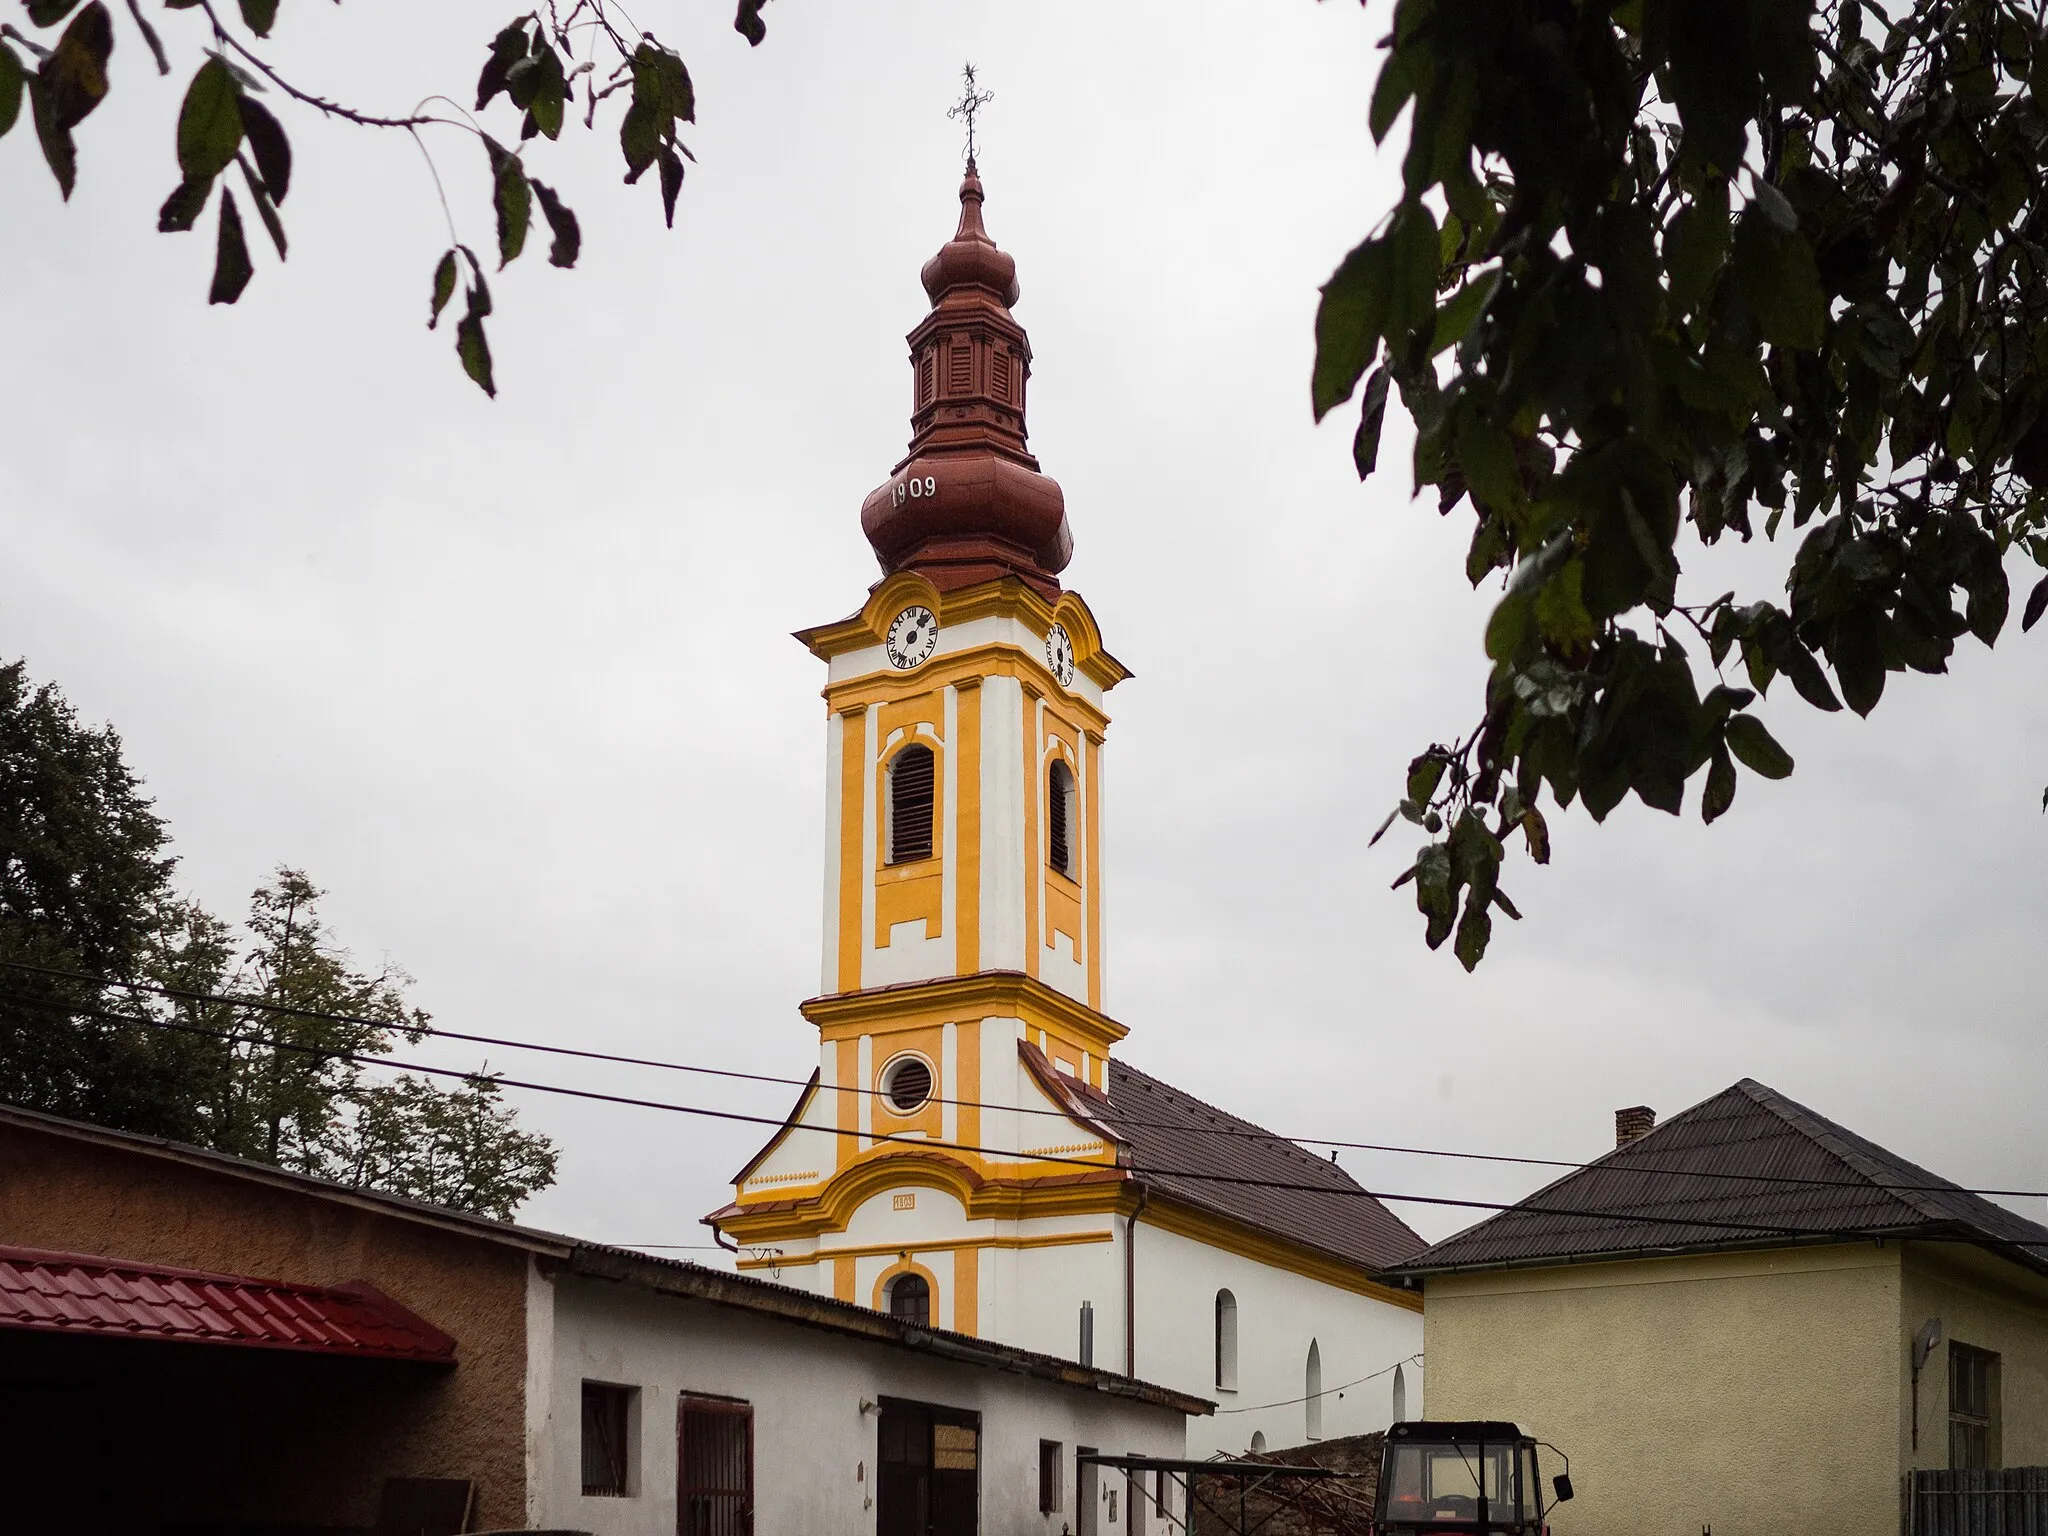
<point x="1203" y="1226"/>
<point x="951" y="999"/>
<point x="937" y="1245"/>
<point x="782" y="1216"/>
<point x="1007" y="598"/>
<point x="962" y="668"/>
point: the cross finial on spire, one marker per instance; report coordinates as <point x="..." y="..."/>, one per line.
<point x="971" y="101"/>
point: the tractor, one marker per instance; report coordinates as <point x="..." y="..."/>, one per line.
<point x="1469" y="1477"/>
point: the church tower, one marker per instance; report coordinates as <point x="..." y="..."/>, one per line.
<point x="968" y="1154"/>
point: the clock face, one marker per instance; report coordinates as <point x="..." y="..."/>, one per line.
<point x="1059" y="655"/>
<point x="913" y="636"/>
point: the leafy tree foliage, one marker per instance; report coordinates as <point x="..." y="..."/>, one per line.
<point x="85" y="891"/>
<point x="1667" y="271"/>
<point x="532" y="73"/>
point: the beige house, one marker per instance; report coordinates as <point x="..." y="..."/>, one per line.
<point x="1747" y="1318"/>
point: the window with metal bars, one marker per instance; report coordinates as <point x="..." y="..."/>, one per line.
<point x="1972" y="1408"/>
<point x="1050" y="1472"/>
<point x="607" y="1422"/>
<point x="1059" y="818"/>
<point x="912" y="778"/>
<point x="714" y="1467"/>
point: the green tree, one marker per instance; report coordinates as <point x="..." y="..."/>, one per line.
<point x="1666" y="271"/>
<point x="258" y="1050"/>
<point x="84" y="873"/>
<point x="534" y="69"/>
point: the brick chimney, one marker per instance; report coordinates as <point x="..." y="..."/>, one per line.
<point x="1629" y="1124"/>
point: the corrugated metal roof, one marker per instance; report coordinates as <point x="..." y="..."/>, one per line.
<point x="80" y="1294"/>
<point x="1748" y="1166"/>
<point x="1191" y="1150"/>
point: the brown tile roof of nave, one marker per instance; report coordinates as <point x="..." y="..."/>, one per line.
<point x="1198" y="1154"/>
<point x="1729" y="1172"/>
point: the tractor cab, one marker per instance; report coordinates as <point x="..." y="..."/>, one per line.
<point x="1471" y="1477"/>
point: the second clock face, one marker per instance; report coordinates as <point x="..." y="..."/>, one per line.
<point x="913" y="635"/>
<point x="1059" y="655"/>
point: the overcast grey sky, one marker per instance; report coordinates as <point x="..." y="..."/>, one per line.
<point x="513" y="680"/>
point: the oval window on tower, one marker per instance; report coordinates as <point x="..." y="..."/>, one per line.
<point x="907" y="1083"/>
<point x="911" y="781"/>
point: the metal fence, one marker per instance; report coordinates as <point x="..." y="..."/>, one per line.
<point x="2009" y="1501"/>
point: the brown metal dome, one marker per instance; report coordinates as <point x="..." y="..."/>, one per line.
<point x="968" y="503"/>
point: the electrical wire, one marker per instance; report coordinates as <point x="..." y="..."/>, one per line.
<point x="1639" y="1166"/>
<point x="1326" y="1392"/>
<point x="1354" y="1191"/>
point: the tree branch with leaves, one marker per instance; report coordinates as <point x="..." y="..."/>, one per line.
<point x="536" y="65"/>
<point x="1667" y="271"/>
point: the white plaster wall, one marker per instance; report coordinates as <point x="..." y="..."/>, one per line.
<point x="828" y="949"/>
<point x="1278" y="1313"/>
<point x="1002" y="825"/>
<point x="814" y="1447"/>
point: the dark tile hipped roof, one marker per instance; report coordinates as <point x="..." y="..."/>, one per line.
<point x="1748" y="1167"/>
<point x="1200" y="1156"/>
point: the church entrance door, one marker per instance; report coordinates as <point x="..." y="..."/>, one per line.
<point x="928" y="1471"/>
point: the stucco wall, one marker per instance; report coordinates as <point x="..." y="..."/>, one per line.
<point x="83" y="1197"/>
<point x="1749" y="1392"/>
<point x="1987" y="1302"/>
<point x="1278" y="1314"/>
<point x="814" y="1455"/>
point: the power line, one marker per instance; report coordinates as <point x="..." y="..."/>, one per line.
<point x="1326" y="1392"/>
<point x="1353" y="1191"/>
<point x="1638" y="1167"/>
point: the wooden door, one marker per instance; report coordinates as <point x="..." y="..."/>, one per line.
<point x="928" y="1471"/>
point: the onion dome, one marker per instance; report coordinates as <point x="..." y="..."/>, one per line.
<point x="967" y="504"/>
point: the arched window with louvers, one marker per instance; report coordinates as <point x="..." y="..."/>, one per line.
<point x="1060" y="818"/>
<point x="913" y="779"/>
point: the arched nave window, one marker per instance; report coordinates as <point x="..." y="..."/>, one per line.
<point x="1400" y="1395"/>
<point x="910" y="1300"/>
<point x="1226" y="1341"/>
<point x="1312" y="1390"/>
<point x="1258" y="1442"/>
<point x="1059" y="818"/>
<point x="911" y="781"/>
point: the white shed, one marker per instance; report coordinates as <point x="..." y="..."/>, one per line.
<point x="672" y="1398"/>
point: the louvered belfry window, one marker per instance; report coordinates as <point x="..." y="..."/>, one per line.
<point x="911" y="782"/>
<point x="960" y="367"/>
<point x="927" y="373"/>
<point x="1001" y="383"/>
<point x="1059" y="815"/>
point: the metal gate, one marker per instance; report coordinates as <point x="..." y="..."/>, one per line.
<point x="2007" y="1501"/>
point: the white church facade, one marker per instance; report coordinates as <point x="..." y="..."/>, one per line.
<point x="973" y="1153"/>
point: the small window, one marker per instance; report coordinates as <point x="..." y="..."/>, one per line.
<point x="907" y="1083"/>
<point x="1226" y="1341"/>
<point x="607" y="1421"/>
<point x="910" y="1300"/>
<point x="1312" y="1390"/>
<point x="1400" y="1395"/>
<point x="912" y="775"/>
<point x="1972" y="1408"/>
<point x="715" y="1466"/>
<point x="1051" y="1472"/>
<point x="1258" y="1442"/>
<point x="1059" y="818"/>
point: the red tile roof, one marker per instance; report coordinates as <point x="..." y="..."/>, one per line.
<point x="79" y="1294"/>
